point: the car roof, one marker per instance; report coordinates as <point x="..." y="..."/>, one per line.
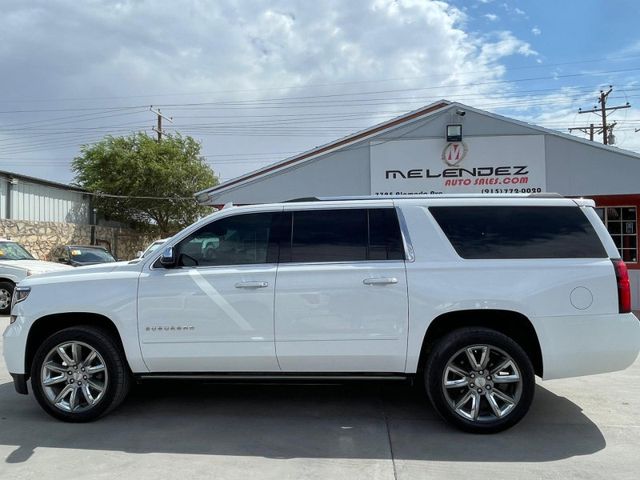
<point x="540" y="199"/>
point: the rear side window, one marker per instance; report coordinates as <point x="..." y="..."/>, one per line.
<point x="385" y="240"/>
<point x="519" y="232"/>
<point x="343" y="235"/>
<point x="329" y="236"/>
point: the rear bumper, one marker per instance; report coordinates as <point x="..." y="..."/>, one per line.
<point x="20" y="383"/>
<point x="573" y="346"/>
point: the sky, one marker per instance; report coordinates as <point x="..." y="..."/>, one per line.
<point x="256" y="81"/>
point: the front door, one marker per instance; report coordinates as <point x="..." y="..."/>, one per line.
<point x="341" y="293"/>
<point x="214" y="310"/>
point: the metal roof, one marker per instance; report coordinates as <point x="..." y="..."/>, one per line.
<point x="42" y="181"/>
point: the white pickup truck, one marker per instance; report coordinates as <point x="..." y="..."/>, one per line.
<point x="470" y="296"/>
<point x="16" y="264"/>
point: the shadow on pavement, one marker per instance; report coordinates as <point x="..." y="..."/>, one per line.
<point x="296" y="421"/>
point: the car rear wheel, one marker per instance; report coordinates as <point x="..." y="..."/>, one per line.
<point x="480" y="380"/>
<point x="6" y="292"/>
<point x="79" y="374"/>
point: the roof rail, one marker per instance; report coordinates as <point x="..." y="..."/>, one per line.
<point x="450" y="195"/>
<point x="302" y="199"/>
<point x="546" y="195"/>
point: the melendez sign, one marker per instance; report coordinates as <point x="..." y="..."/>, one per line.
<point x="504" y="164"/>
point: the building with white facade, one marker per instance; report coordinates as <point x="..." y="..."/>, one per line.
<point x="33" y="199"/>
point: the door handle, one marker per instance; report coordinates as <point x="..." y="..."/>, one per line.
<point x="380" y="281"/>
<point x="252" y="284"/>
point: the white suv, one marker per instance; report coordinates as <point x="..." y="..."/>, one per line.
<point x="470" y="296"/>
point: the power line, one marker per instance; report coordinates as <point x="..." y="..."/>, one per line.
<point x="605" y="129"/>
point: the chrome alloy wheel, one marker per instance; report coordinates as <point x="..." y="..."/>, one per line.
<point x="5" y="298"/>
<point x="482" y="383"/>
<point x="74" y="377"/>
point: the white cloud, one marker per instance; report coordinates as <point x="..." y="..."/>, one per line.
<point x="491" y="17"/>
<point x="536" y="31"/>
<point x="64" y="49"/>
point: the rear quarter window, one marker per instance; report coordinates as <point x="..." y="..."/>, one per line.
<point x="517" y="232"/>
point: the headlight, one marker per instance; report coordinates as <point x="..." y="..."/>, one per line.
<point x="20" y="294"/>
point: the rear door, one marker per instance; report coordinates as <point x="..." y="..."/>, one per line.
<point x="341" y="292"/>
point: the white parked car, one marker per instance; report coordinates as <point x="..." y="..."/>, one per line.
<point x="16" y="263"/>
<point x="471" y="296"/>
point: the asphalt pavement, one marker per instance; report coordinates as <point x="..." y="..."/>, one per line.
<point x="587" y="428"/>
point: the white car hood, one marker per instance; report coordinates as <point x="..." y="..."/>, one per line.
<point x="36" y="266"/>
<point x="77" y="273"/>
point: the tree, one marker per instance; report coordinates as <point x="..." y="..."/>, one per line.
<point x="121" y="171"/>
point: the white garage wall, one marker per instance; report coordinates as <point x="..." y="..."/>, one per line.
<point x="44" y="203"/>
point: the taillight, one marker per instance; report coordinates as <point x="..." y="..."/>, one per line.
<point x="624" y="287"/>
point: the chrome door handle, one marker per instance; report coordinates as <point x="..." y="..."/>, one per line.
<point x="252" y="284"/>
<point x="380" y="281"/>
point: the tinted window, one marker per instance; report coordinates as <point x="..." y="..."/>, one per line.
<point x="236" y="240"/>
<point x="344" y="235"/>
<point x="519" y="232"/>
<point x="385" y="240"/>
<point x="90" y="255"/>
<point x="329" y="236"/>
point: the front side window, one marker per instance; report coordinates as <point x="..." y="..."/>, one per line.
<point x="235" y="240"/>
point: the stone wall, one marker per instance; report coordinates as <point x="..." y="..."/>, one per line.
<point x="40" y="238"/>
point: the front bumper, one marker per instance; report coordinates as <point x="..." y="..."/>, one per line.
<point x="14" y="346"/>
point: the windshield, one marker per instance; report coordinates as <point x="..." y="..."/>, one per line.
<point x="90" y="255"/>
<point x="154" y="246"/>
<point x="13" y="251"/>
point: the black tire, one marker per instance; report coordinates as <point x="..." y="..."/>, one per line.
<point x="448" y="349"/>
<point x="8" y="288"/>
<point x="118" y="377"/>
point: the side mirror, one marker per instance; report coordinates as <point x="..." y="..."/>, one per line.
<point x="168" y="259"/>
<point x="139" y="254"/>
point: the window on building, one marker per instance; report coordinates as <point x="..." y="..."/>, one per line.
<point x="519" y="232"/>
<point x="622" y="225"/>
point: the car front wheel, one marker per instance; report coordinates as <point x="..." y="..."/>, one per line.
<point x="480" y="380"/>
<point x="79" y="374"/>
<point x="6" y="292"/>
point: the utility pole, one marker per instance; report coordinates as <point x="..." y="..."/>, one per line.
<point x="590" y="130"/>
<point x="160" y="116"/>
<point x="604" y="129"/>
